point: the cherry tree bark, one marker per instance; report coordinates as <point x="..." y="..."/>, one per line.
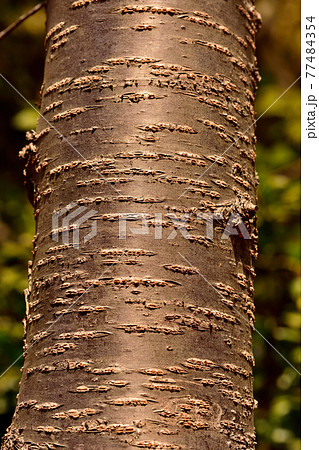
<point x="143" y="340"/>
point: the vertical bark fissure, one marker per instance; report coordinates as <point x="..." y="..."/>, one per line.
<point x="150" y="356"/>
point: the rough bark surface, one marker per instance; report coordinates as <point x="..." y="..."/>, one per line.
<point x="150" y="355"/>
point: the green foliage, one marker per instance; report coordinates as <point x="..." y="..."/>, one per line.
<point x="17" y="229"/>
<point x="23" y="67"/>
<point x="277" y="385"/>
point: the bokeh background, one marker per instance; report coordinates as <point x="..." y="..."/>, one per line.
<point x="277" y="385"/>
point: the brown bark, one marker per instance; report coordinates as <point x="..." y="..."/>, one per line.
<point x="151" y="355"/>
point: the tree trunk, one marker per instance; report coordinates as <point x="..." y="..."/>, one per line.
<point x="143" y="341"/>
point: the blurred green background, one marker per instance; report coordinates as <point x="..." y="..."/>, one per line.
<point x="277" y="385"/>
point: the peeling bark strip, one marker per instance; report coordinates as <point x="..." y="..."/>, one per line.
<point x="149" y="356"/>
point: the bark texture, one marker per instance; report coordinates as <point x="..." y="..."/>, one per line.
<point x="150" y="356"/>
